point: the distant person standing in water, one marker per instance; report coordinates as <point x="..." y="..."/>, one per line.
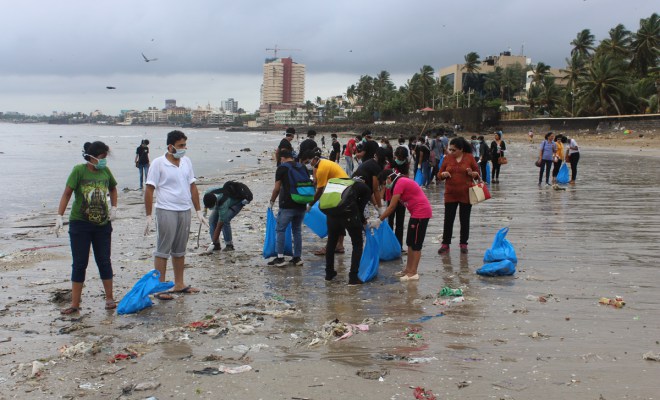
<point x="142" y="160"/>
<point x="90" y="221"/>
<point x="172" y="180"/>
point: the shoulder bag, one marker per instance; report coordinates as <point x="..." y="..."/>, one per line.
<point x="478" y="192"/>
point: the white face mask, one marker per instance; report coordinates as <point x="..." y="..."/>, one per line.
<point x="178" y="153"/>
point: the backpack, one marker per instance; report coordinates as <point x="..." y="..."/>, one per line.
<point x="337" y="198"/>
<point x="237" y="190"/>
<point x="301" y="188"/>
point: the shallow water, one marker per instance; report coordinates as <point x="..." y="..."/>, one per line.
<point x="597" y="238"/>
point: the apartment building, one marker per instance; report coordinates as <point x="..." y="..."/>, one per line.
<point x="456" y="73"/>
<point x="283" y="84"/>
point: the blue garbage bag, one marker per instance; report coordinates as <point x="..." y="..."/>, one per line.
<point x="270" y="241"/>
<point x="498" y="268"/>
<point x="442" y="158"/>
<point x="563" y="175"/>
<point x="487" y="177"/>
<point x="388" y="244"/>
<point x="369" y="261"/>
<point x="317" y="221"/>
<point x="419" y="177"/>
<point x="138" y="297"/>
<point x="501" y="249"/>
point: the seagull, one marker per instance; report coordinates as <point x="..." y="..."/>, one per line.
<point x="148" y="59"/>
<point x="110" y="87"/>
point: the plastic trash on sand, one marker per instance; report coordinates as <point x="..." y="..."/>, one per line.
<point x="270" y="240"/>
<point x="370" y="258"/>
<point x="389" y="247"/>
<point x="317" y="221"/>
<point x="501" y="258"/>
<point x="138" y="297"/>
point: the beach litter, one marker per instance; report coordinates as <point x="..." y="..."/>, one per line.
<point x="616" y="302"/>
<point x="372" y="375"/>
<point x="446" y="302"/>
<point x="90" y="386"/>
<point x="447" y="291"/>
<point x="337" y="330"/>
<point x="37" y="369"/>
<point x="422" y="394"/>
<point x="206" y="371"/>
<point x="412" y="333"/>
<point x="420" y="360"/>
<point x="234" y="370"/>
<point x="651" y="356"/>
<point x="426" y="318"/>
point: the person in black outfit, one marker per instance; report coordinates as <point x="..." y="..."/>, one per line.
<point x="484" y="151"/>
<point x="401" y="166"/>
<point x="285" y="144"/>
<point x="422" y="157"/>
<point x="369" y="147"/>
<point x="497" y="149"/>
<point x="308" y="144"/>
<point x="142" y="160"/>
<point x="336" y="149"/>
<point x="351" y="220"/>
<point x="368" y="172"/>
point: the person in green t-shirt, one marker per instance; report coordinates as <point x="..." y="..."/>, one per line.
<point x="90" y="220"/>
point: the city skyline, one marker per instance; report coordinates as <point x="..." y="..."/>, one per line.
<point x="62" y="56"/>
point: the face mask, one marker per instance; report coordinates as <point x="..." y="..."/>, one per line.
<point x="178" y="153"/>
<point x="389" y="185"/>
<point x="399" y="162"/>
<point x="100" y="163"/>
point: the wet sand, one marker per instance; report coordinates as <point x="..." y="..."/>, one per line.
<point x="596" y="239"/>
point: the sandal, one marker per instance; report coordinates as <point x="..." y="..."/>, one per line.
<point x="110" y="304"/>
<point x="320" y="252"/>
<point x="340" y="251"/>
<point x="70" y="310"/>
<point x="164" y="296"/>
<point x="400" y="273"/>
<point x="186" y="290"/>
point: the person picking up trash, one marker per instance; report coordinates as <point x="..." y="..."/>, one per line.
<point x="225" y="203"/>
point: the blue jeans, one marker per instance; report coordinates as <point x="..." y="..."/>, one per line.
<point x="426" y="172"/>
<point x="294" y="217"/>
<point x="83" y="234"/>
<point x="144" y="171"/>
<point x="226" y="226"/>
<point x="349" y="165"/>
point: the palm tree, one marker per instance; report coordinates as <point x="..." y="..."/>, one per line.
<point x="646" y="45"/>
<point x="540" y="71"/>
<point x="426" y="81"/>
<point x="603" y="87"/>
<point x="471" y="65"/>
<point x="618" y="43"/>
<point x="574" y="71"/>
<point x="551" y="94"/>
<point x="583" y="43"/>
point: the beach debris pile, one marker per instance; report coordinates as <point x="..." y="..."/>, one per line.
<point x="337" y="330"/>
<point x="616" y="301"/>
<point x="446" y="296"/>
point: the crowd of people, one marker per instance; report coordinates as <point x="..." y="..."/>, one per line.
<point x="374" y="172"/>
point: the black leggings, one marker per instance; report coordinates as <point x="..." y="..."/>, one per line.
<point x="555" y="168"/>
<point x="336" y="226"/>
<point x="575" y="157"/>
<point x="482" y="165"/>
<point x="545" y="166"/>
<point x="496" y="170"/>
<point x="464" y="218"/>
<point x="400" y="215"/>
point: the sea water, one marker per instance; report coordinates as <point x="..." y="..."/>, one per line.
<point x="36" y="159"/>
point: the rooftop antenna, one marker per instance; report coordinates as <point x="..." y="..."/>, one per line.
<point x="276" y="49"/>
<point x="522" y="49"/>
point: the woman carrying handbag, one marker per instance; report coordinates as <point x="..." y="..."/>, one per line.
<point x="497" y="149"/>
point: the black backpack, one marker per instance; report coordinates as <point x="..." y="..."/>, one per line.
<point x="237" y="190"/>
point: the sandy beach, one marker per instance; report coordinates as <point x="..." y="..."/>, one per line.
<point x="538" y="334"/>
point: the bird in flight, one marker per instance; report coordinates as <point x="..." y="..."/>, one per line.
<point x="148" y="59"/>
<point x="110" y="87"/>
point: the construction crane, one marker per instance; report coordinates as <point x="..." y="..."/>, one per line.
<point x="276" y="49"/>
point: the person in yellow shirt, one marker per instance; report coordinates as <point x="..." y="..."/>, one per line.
<point x="323" y="171"/>
<point x="558" y="157"/>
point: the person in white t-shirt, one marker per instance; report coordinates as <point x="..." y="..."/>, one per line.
<point x="573" y="158"/>
<point x="172" y="180"/>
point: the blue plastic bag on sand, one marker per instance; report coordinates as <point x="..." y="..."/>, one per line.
<point x="562" y="176"/>
<point x="317" y="221"/>
<point x="501" y="249"/>
<point x="419" y="177"/>
<point x="270" y="241"/>
<point x="138" y="297"/>
<point x="487" y="177"/>
<point x="388" y="244"/>
<point x="369" y="261"/>
<point x="498" y="268"/>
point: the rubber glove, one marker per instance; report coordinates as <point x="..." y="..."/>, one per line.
<point x="113" y="214"/>
<point x="245" y="202"/>
<point x="381" y="210"/>
<point x="202" y="220"/>
<point x="210" y="248"/>
<point x="58" y="225"/>
<point x="308" y="207"/>
<point x="147" y="226"/>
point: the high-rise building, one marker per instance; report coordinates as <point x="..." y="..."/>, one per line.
<point x="284" y="84"/>
<point x="231" y="105"/>
<point x="170" y="103"/>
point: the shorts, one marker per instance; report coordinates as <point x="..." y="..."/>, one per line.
<point x="416" y="232"/>
<point x="172" y="232"/>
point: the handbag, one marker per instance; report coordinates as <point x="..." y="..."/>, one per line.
<point x="502" y="160"/>
<point x="538" y="163"/>
<point x="478" y="192"/>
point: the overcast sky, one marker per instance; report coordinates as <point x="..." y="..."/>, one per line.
<point x="61" y="55"/>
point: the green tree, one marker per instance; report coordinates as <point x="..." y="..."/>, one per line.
<point x="617" y="44"/>
<point x="583" y="44"/>
<point x="645" y="45"/>
<point x="426" y="82"/>
<point x="540" y="71"/>
<point x="471" y="66"/>
<point x="603" y="87"/>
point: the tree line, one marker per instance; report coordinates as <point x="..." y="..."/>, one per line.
<point x="618" y="75"/>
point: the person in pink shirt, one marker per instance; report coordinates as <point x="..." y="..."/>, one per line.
<point x="407" y="192"/>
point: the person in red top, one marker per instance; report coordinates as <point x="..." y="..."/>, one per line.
<point x="457" y="171"/>
<point x="349" y="153"/>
